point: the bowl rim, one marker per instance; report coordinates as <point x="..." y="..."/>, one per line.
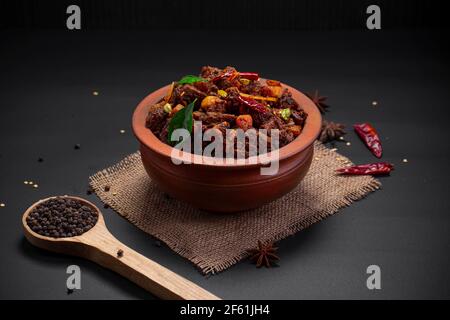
<point x="145" y="136"/>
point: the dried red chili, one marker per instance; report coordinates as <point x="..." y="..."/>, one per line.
<point x="249" y="75"/>
<point x="378" y="168"/>
<point x="234" y="74"/>
<point x="253" y="104"/>
<point x="369" y="135"/>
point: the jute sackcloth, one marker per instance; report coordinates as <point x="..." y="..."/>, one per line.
<point x="214" y="242"/>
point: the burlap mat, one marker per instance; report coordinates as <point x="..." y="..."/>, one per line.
<point x="215" y="242"/>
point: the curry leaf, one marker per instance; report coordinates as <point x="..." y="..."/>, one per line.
<point x="190" y="79"/>
<point x="181" y="120"/>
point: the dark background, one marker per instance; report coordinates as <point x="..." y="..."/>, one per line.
<point x="219" y="14"/>
<point x="126" y="49"/>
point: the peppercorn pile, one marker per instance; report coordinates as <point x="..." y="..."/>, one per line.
<point x="61" y="217"/>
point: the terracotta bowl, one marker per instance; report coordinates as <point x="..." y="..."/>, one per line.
<point x="221" y="187"/>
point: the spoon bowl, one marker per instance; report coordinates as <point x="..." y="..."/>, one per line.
<point x="100" y="246"/>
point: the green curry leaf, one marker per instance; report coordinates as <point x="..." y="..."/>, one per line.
<point x="191" y="79"/>
<point x="181" y="120"/>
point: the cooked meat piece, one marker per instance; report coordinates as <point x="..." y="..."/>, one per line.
<point x="207" y="87"/>
<point x="156" y="118"/>
<point x="286" y="101"/>
<point x="253" y="88"/>
<point x="272" y="123"/>
<point x="164" y="134"/>
<point x="286" y="137"/>
<point x="186" y="93"/>
<point x="218" y="107"/>
<point x="222" y="127"/>
<point x="233" y="102"/>
<point x="213" y="117"/>
<point x="299" y="117"/>
<point x="210" y="73"/>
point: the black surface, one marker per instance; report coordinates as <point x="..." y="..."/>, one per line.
<point x="46" y="84"/>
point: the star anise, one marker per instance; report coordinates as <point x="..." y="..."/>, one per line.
<point x="264" y="254"/>
<point x="331" y="131"/>
<point x="319" y="101"/>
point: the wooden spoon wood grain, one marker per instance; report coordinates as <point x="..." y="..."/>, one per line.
<point x="100" y="246"/>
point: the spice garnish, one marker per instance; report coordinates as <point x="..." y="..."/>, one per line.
<point x="368" y="134"/>
<point x="285" y="113"/>
<point x="231" y="75"/>
<point x="120" y="253"/>
<point x="189" y="79"/>
<point x="169" y="92"/>
<point x="253" y="105"/>
<point x="264" y="254"/>
<point x="273" y="99"/>
<point x="222" y="93"/>
<point x="331" y="131"/>
<point x="181" y="119"/>
<point x="77" y="146"/>
<point x="378" y="168"/>
<point x="319" y="101"/>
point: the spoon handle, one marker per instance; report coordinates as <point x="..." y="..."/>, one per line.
<point x="110" y="253"/>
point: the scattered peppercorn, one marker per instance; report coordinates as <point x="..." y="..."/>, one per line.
<point x="120" y="253"/>
<point x="77" y="146"/>
<point x="89" y="191"/>
<point x="62" y="217"/>
<point x="106" y="206"/>
<point x="107" y="188"/>
<point x="40" y="160"/>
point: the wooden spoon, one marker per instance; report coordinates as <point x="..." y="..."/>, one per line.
<point x="100" y="246"/>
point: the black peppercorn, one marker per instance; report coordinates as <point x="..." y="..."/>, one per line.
<point x="61" y="217"/>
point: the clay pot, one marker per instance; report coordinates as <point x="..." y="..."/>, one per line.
<point x="222" y="187"/>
